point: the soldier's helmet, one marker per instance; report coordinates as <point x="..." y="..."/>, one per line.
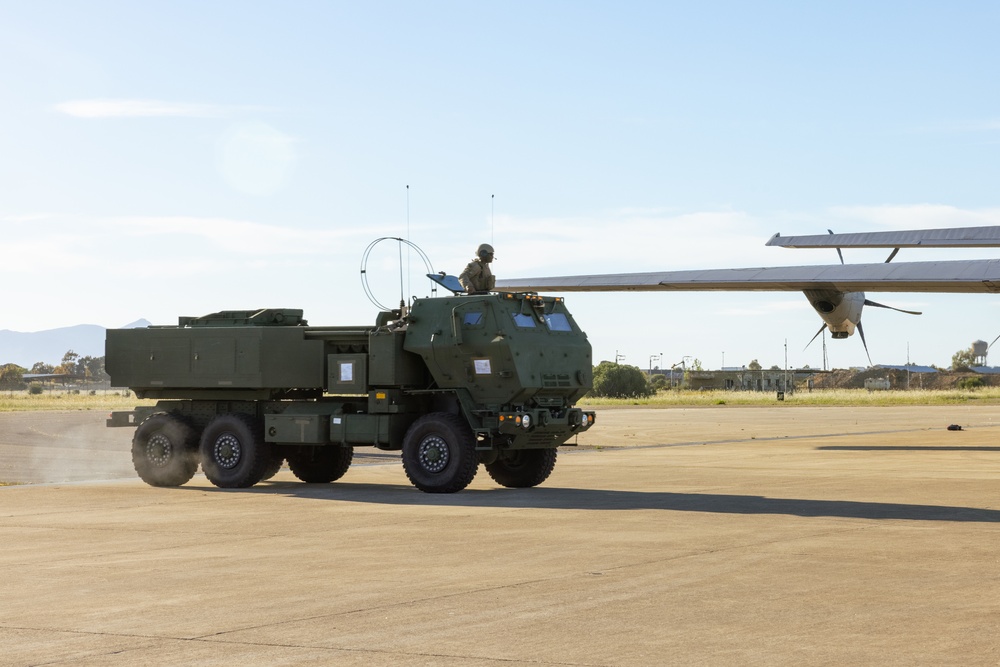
<point x="483" y="250"/>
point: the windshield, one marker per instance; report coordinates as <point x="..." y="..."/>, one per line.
<point x="558" y="322"/>
<point x="524" y="321"/>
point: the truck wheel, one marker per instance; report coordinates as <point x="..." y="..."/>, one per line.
<point x="274" y="465"/>
<point x="439" y="454"/>
<point x="163" y="450"/>
<point x="320" y="465"/>
<point x="233" y="452"/>
<point x="522" y="468"/>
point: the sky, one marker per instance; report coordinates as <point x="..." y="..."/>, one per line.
<point x="160" y="159"/>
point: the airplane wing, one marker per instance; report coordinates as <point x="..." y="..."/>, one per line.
<point x="958" y="237"/>
<point x="969" y="276"/>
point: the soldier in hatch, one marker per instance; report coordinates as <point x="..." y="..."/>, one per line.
<point x="477" y="277"/>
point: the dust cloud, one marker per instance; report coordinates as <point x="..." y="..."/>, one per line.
<point x="49" y="447"/>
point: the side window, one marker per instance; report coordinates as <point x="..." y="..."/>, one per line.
<point x="524" y="321"/>
<point x="558" y="322"/>
<point x="472" y="319"/>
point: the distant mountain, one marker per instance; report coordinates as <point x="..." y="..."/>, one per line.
<point x="24" y="349"/>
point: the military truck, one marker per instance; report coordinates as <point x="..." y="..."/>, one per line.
<point x="451" y="381"/>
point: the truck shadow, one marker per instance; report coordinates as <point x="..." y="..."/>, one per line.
<point x="603" y="499"/>
<point x="906" y="448"/>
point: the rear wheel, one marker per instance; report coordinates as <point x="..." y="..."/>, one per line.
<point x="320" y="465"/>
<point x="522" y="468"/>
<point x="439" y="453"/>
<point x="163" y="450"/>
<point x="233" y="452"/>
<point x="274" y="465"/>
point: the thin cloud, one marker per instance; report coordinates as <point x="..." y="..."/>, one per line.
<point x="919" y="216"/>
<point x="621" y="242"/>
<point x="764" y="308"/>
<point x="240" y="236"/>
<point x="129" y="108"/>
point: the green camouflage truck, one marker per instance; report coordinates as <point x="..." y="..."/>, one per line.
<point x="452" y="382"/>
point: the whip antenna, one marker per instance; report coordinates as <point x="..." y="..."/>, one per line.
<point x="408" y="285"/>
<point x="401" y="242"/>
<point x="402" y="294"/>
<point x="492" y="241"/>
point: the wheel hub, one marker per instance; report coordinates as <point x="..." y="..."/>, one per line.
<point x="433" y="454"/>
<point x="227" y="451"/>
<point x="158" y="450"/>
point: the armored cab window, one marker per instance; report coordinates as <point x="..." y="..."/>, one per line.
<point x="473" y="319"/>
<point x="524" y="321"/>
<point x="558" y="322"/>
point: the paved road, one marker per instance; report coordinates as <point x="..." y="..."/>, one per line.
<point x="697" y="537"/>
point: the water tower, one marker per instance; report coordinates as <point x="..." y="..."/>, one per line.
<point x="979" y="350"/>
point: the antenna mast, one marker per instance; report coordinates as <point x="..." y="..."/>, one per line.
<point x="825" y="361"/>
<point x="402" y="303"/>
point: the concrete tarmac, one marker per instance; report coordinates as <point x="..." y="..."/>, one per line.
<point x="706" y="536"/>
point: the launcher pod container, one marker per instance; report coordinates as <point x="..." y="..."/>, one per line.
<point x="454" y="382"/>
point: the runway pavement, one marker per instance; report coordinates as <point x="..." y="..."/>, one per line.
<point x="705" y="536"/>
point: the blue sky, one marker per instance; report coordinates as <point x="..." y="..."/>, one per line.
<point x="175" y="158"/>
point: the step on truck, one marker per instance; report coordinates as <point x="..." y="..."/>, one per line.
<point x="452" y="382"/>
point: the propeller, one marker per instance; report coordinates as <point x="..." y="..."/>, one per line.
<point x="869" y="302"/>
<point x="839" y="254"/>
<point x="861" y="332"/>
<point x="821" y="331"/>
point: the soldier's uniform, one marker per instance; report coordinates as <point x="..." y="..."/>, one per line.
<point x="477" y="276"/>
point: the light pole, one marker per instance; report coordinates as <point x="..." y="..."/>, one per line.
<point x="658" y="357"/>
<point x="683" y="364"/>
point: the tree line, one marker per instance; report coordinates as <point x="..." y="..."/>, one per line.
<point x="76" y="368"/>
<point x="613" y="380"/>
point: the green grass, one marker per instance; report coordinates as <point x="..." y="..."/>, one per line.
<point x="818" y="397"/>
<point x="22" y="401"/>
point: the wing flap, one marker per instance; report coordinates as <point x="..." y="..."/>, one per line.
<point x="972" y="276"/>
<point x="957" y="237"/>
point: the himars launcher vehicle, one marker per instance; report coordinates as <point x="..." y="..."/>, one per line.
<point x="452" y="382"/>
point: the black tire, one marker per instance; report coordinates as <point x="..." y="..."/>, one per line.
<point x="522" y="468"/>
<point x="320" y="465"/>
<point x="233" y="452"/>
<point x="439" y="453"/>
<point x="164" y="450"/>
<point x="274" y="465"/>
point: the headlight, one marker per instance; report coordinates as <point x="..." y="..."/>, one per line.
<point x="526" y="421"/>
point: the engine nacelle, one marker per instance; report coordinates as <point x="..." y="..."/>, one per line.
<point x="840" y="310"/>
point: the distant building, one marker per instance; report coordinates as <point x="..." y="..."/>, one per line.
<point x="743" y="379"/>
<point x="877" y="384"/>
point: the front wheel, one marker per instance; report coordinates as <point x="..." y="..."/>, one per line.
<point x="522" y="468"/>
<point x="439" y="453"/>
<point x="233" y="452"/>
<point x="163" y="450"/>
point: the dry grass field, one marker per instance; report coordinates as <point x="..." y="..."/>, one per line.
<point x="22" y="401"/>
<point x="821" y="397"/>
